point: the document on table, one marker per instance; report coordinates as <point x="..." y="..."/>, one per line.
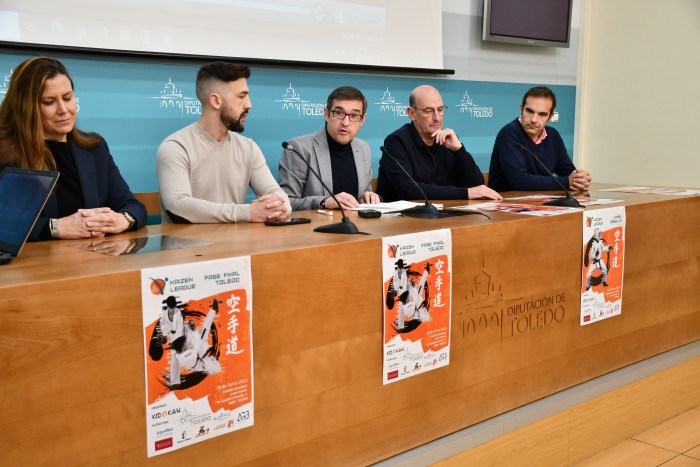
<point x="394" y="206"/>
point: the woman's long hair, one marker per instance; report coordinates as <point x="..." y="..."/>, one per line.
<point x="21" y="129"/>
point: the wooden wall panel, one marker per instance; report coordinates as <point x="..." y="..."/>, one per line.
<point x="72" y="348"/>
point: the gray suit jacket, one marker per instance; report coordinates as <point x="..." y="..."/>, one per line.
<point x="302" y="186"/>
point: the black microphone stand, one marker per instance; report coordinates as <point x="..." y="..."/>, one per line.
<point x="345" y="226"/>
<point x="424" y="211"/>
<point x="568" y="200"/>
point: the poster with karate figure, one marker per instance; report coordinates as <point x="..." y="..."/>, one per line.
<point x="417" y="292"/>
<point x="603" y="264"/>
<point x="197" y="329"/>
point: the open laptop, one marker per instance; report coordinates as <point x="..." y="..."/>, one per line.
<point x="23" y="194"/>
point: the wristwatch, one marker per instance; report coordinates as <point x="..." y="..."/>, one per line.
<point x="322" y="204"/>
<point x="53" y="228"/>
<point x="129" y="219"/>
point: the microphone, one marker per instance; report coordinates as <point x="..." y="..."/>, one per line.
<point x="426" y="211"/>
<point x="343" y="227"/>
<point x="568" y="200"/>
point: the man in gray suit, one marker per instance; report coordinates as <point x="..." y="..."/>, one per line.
<point x="343" y="161"/>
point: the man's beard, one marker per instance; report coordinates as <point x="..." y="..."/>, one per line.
<point x="231" y="123"/>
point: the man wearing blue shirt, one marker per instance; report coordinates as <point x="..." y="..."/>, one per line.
<point x="514" y="168"/>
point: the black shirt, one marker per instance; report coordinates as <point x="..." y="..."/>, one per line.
<point x="343" y="168"/>
<point x="440" y="172"/>
<point x="69" y="193"/>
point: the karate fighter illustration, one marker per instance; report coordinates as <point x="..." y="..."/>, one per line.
<point x="594" y="255"/>
<point x="189" y="345"/>
<point x="197" y="352"/>
<point x="172" y="331"/>
<point x="412" y="297"/>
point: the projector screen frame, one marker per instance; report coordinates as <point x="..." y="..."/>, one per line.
<point x="86" y="52"/>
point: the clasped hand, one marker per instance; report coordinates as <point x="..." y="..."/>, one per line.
<point x="96" y="222"/>
<point x="268" y="207"/>
<point x="579" y="180"/>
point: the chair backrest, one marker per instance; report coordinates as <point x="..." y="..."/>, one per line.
<point x="150" y="199"/>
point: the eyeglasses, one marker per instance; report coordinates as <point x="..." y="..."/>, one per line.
<point x="340" y="115"/>
<point x="430" y="111"/>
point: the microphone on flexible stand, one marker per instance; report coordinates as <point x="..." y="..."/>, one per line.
<point x="427" y="210"/>
<point x="343" y="227"/>
<point x="568" y="200"/>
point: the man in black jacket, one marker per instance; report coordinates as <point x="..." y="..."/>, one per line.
<point x="433" y="156"/>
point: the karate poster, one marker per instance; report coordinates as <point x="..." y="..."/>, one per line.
<point x="603" y="264"/>
<point x="197" y="325"/>
<point x="417" y="292"/>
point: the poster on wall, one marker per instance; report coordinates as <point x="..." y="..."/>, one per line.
<point x="417" y="293"/>
<point x="603" y="264"/>
<point x="197" y="325"/>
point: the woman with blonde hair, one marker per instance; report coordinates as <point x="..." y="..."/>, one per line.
<point x="37" y="131"/>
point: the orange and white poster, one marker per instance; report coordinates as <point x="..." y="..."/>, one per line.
<point x="603" y="264"/>
<point x="417" y="292"/>
<point x="197" y="325"/>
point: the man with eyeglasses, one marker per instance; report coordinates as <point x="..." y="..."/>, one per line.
<point x="433" y="156"/>
<point x="515" y="168"/>
<point x="343" y="161"/>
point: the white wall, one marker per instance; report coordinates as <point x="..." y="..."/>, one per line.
<point x="476" y="60"/>
<point x="639" y="92"/>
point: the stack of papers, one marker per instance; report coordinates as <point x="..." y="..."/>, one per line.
<point x="396" y="206"/>
<point x="514" y="208"/>
<point x="582" y="200"/>
<point x="655" y="191"/>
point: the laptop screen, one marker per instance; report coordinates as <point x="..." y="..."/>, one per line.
<point x="23" y="193"/>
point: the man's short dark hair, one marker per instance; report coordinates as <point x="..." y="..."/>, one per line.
<point x="541" y="91"/>
<point x="219" y="71"/>
<point x="346" y="93"/>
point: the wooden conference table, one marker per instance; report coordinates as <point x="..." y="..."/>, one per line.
<point x="71" y="346"/>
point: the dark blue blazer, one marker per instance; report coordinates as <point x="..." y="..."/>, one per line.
<point x="102" y="185"/>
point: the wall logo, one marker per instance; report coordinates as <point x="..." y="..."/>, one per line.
<point x="291" y="101"/>
<point x="467" y="105"/>
<point x="388" y="104"/>
<point x="171" y="98"/>
<point x="5" y="85"/>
